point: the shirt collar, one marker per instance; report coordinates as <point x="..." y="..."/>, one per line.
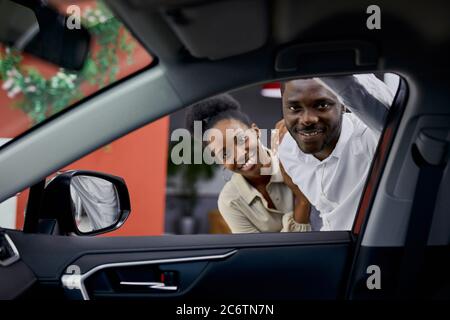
<point x="246" y="190"/>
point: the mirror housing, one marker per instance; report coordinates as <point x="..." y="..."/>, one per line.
<point x="50" y="39"/>
<point x="62" y="202"/>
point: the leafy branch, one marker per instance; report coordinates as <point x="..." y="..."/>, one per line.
<point x="43" y="97"/>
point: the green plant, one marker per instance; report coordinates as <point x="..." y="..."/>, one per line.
<point x="189" y="175"/>
<point x="41" y="97"/>
<point x="102" y="66"/>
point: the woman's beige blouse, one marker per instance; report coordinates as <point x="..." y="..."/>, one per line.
<point x="245" y="210"/>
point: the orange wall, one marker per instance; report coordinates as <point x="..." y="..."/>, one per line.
<point x="141" y="159"/>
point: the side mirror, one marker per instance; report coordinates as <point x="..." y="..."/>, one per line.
<point x="86" y="202"/>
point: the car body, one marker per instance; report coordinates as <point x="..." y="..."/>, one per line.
<point x="206" y="48"/>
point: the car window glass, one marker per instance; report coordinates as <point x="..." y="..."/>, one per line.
<point x="183" y="179"/>
<point x="32" y="90"/>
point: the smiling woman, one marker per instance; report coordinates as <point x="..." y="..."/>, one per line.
<point x="235" y="143"/>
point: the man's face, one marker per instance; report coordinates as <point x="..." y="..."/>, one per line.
<point x="313" y="116"/>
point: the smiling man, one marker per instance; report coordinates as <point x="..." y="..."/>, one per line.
<point x="328" y="151"/>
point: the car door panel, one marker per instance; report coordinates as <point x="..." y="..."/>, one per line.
<point x="261" y="266"/>
<point x="15" y="279"/>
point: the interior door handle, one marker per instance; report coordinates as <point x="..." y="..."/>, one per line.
<point x="151" y="285"/>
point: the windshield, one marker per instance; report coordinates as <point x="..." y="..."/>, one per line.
<point x="32" y="90"/>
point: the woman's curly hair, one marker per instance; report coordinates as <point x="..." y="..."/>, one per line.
<point x="212" y="110"/>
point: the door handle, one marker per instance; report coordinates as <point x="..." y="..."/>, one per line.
<point x="151" y="285"/>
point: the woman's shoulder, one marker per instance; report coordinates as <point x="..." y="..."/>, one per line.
<point x="237" y="189"/>
<point x="229" y="192"/>
<point x="229" y="199"/>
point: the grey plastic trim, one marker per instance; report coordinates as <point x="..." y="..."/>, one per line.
<point x="15" y="257"/>
<point x="389" y="217"/>
<point x="386" y="225"/>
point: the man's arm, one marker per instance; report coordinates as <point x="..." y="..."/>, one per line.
<point x="302" y="207"/>
<point x="299" y="219"/>
<point x="365" y="95"/>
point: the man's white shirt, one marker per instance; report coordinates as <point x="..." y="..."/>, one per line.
<point x="334" y="185"/>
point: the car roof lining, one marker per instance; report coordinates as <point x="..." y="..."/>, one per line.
<point x="268" y="22"/>
<point x="242" y="26"/>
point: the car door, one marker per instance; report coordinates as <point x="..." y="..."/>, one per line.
<point x="265" y="266"/>
<point x="316" y="265"/>
<point x="260" y="267"/>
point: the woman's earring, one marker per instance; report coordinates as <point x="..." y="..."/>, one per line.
<point x="226" y="174"/>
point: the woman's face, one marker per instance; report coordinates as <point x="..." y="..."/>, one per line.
<point x="236" y="146"/>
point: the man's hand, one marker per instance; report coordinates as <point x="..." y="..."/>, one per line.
<point x="277" y="137"/>
<point x="302" y="207"/>
<point x="288" y="181"/>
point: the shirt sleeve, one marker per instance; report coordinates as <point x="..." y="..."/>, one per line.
<point x="98" y="199"/>
<point x="290" y="225"/>
<point x="365" y="95"/>
<point x="234" y="217"/>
